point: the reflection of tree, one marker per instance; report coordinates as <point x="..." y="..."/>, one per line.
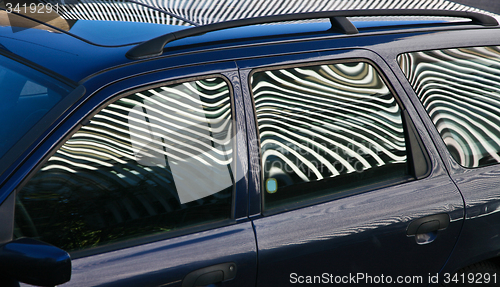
<point x="73" y="212"/>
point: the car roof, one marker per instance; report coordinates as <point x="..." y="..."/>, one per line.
<point x="92" y="40"/>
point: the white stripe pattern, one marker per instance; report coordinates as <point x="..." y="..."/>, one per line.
<point x="326" y="121"/>
<point x="459" y="89"/>
<point x="214" y="11"/>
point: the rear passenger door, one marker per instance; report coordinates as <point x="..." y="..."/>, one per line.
<point x="457" y="91"/>
<point x="147" y="188"/>
<point x="346" y="186"/>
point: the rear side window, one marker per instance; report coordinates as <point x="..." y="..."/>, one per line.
<point x="460" y="90"/>
<point x="327" y="129"/>
<point x="155" y="161"/>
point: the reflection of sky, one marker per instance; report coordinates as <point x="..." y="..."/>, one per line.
<point x="119" y="33"/>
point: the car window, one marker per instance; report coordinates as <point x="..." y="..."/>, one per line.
<point x="326" y="129"/>
<point x="27" y="96"/>
<point x="460" y="90"/>
<point x="153" y="161"/>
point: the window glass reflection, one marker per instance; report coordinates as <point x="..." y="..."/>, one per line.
<point x="459" y="88"/>
<point x="324" y="129"/>
<point x="154" y="161"/>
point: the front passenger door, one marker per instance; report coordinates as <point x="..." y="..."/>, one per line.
<point x="143" y="192"/>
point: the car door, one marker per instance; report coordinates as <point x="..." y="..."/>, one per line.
<point x="346" y="186"/>
<point x="144" y="184"/>
<point x="456" y="91"/>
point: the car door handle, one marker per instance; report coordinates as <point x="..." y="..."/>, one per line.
<point x="428" y="224"/>
<point x="210" y="275"/>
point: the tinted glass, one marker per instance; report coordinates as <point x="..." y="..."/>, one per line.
<point x="460" y="88"/>
<point x="26" y="96"/>
<point x="326" y="129"/>
<point x="154" y="161"/>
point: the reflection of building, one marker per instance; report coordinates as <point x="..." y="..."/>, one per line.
<point x="212" y="11"/>
<point x="117" y="11"/>
<point x="319" y="122"/>
<point x="459" y="89"/>
<point x="149" y="162"/>
<point x="223" y="10"/>
<point x="194" y="12"/>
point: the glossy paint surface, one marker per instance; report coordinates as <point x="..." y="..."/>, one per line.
<point x="167" y="262"/>
<point x="119" y="33"/>
<point x="479" y="187"/>
<point x="48" y="264"/>
<point x="360" y="233"/>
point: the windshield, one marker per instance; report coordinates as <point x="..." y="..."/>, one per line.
<point x="27" y="95"/>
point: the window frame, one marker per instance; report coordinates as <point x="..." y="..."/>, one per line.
<point x="413" y="142"/>
<point x="142" y="239"/>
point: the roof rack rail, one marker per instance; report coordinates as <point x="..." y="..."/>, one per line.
<point x="154" y="47"/>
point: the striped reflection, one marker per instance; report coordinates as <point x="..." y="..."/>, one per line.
<point x="214" y="11"/>
<point x="113" y="10"/>
<point x="460" y="91"/>
<point x="149" y="162"/>
<point x="326" y="121"/>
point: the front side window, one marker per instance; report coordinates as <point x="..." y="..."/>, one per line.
<point x="326" y="129"/>
<point x="157" y="160"/>
<point x="460" y="90"/>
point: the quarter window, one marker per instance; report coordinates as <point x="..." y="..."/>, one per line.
<point x="157" y="160"/>
<point x="460" y="90"/>
<point x="325" y="130"/>
<point x="27" y="96"/>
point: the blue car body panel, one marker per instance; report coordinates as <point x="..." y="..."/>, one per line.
<point x="479" y="187"/>
<point x="362" y="233"/>
<point x="167" y="262"/>
<point x="357" y="235"/>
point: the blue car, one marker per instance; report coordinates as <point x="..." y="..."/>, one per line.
<point x="335" y="147"/>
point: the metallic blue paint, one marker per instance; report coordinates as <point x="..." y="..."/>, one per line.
<point x="166" y="262"/>
<point x="47" y="264"/>
<point x="364" y="232"/>
<point x="479" y="238"/>
<point x="117" y="33"/>
<point x="61" y="52"/>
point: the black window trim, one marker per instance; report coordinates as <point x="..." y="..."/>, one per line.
<point x="415" y="149"/>
<point x="144" y="239"/>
